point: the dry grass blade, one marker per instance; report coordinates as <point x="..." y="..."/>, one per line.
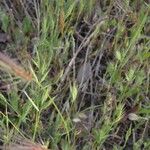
<point x="11" y="66"/>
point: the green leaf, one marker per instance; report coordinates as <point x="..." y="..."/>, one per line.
<point x="14" y="101"/>
<point x="70" y="9"/>
<point x="25" y="111"/>
<point x="128" y="133"/>
<point x="47" y="103"/>
<point x="146" y="55"/>
<point x="27" y="26"/>
<point x="74" y="92"/>
<point x="118" y="55"/>
<point x="5" y="21"/>
<point x="130" y="75"/>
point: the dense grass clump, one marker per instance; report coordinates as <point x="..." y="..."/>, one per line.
<point x="74" y="75"/>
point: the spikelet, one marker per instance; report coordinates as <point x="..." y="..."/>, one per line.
<point x="11" y="66"/>
<point x="20" y="143"/>
<point x="61" y="21"/>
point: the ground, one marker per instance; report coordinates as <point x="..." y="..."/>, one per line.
<point x="75" y="75"/>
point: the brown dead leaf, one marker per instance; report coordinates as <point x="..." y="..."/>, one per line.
<point x="85" y="72"/>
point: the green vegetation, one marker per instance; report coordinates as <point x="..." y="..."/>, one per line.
<point x="90" y="63"/>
